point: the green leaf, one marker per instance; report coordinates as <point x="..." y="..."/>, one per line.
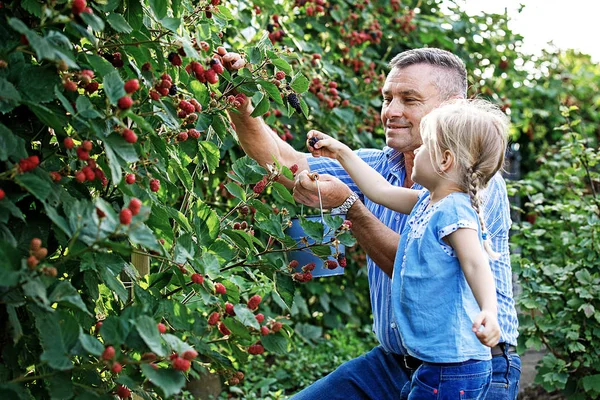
<point x="347" y="239"/>
<point x="224" y="12"/>
<point x="210" y="262"/>
<point x="85" y="108"/>
<point x="141" y="235"/>
<point x="313" y="229"/>
<point x="285" y="288"/>
<point x="256" y="56"/>
<point x="299" y="83"/>
<point x="262" y="107"/>
<point x="100" y="65"/>
<point x="148" y="330"/>
<point x="272" y="90"/>
<point x="122" y="148"/>
<point x="333" y="222"/>
<point x="171" y="24"/>
<point x="14" y="391"/>
<point x="90" y="343"/>
<point x="32" y="6"/>
<point x="114" y="331"/>
<point x="271" y="225"/>
<point x="51" y="336"/>
<point x="247" y="170"/>
<point x="159" y="7"/>
<point x="9" y="96"/>
<point x="54" y="120"/>
<point x="169" y="380"/>
<point x="200" y="92"/>
<point x="114" y="164"/>
<point x="245" y="316"/>
<point x="236" y="190"/>
<point x="64" y="292"/>
<point x="113" y="86"/>
<point x="60" y="385"/>
<point x="36" y="291"/>
<point x="275" y="343"/>
<point x="211" y="155"/>
<point x="282" y="65"/>
<point x="119" y="23"/>
<point x="15" y="324"/>
<point x="11" y="145"/>
<point x="64" y="101"/>
<point x="206" y="223"/>
<point x="591" y="383"/>
<point x="283" y="192"/>
<point x="113" y="283"/>
<point x="93" y="21"/>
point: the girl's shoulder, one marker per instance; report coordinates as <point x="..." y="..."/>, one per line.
<point x="455" y="209"/>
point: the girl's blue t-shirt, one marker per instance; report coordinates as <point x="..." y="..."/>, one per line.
<point x="432" y="300"/>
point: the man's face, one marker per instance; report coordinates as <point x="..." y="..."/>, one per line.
<point x="408" y="95"/>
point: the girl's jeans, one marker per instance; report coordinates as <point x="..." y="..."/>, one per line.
<point x="469" y="380"/>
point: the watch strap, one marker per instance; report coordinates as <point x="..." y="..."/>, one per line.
<point x="346" y="205"/>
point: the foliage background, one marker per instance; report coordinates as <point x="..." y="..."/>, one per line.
<point x="319" y="45"/>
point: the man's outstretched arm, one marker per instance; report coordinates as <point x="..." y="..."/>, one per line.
<point x="260" y="143"/>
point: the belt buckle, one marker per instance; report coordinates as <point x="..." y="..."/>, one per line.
<point x="407" y="364"/>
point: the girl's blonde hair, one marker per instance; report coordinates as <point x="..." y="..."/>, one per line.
<point x="476" y="133"/>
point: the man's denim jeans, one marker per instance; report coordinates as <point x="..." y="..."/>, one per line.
<point x="469" y="380"/>
<point x="379" y="375"/>
<point x="506" y="377"/>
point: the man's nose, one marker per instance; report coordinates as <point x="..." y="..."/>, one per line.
<point x="394" y="109"/>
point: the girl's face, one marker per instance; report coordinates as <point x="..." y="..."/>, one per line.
<point x="424" y="172"/>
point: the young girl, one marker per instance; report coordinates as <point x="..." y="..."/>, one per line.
<point x="443" y="292"/>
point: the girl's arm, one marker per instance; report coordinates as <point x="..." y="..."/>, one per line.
<point x="370" y="182"/>
<point x="478" y="273"/>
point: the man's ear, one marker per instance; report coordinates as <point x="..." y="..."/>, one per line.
<point x="447" y="161"/>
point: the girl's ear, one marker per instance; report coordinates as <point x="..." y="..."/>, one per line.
<point x="447" y="161"/>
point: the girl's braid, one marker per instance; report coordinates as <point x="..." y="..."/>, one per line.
<point x="474" y="184"/>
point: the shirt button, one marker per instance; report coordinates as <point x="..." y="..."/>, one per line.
<point x="397" y="218"/>
<point x="393" y="325"/>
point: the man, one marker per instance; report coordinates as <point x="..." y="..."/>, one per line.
<point x="419" y="81"/>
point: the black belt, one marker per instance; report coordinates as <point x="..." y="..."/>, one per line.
<point x="498" y="349"/>
<point x="411" y="362"/>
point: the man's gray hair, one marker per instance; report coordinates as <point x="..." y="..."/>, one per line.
<point x="452" y="82"/>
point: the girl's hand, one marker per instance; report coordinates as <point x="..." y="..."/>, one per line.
<point x="487" y="329"/>
<point x="325" y="145"/>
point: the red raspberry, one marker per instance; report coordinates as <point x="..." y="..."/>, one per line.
<point x="214" y="318"/>
<point x="87" y="145"/>
<point x="125" y="102"/>
<point x="131" y="85"/>
<point x="316" y="56"/>
<point x="154" y="95"/>
<point x="135" y="205"/>
<point x="100" y="213"/>
<point x="193" y="133"/>
<point x="333" y="85"/>
<point x="293" y="264"/>
<point x="125" y="216"/>
<point x="41" y="253"/>
<point x="239" y="375"/>
<point x="116" y="368"/>
<point x="148" y="356"/>
<point x="80" y="176"/>
<point x="35" y="244"/>
<point x="29" y="163"/>
<point x="98" y="326"/>
<point x="32" y="262"/>
<point x="256" y="349"/>
<point x="123" y="392"/>
<point x="294" y="168"/>
<point x="280" y="75"/>
<point x="182" y="114"/>
<point x="220" y="289"/>
<point x="56" y="177"/>
<point x="190" y="354"/>
<point x="216" y="66"/>
<point x="68" y="143"/>
<point x="197" y="278"/>
<point x="308" y="276"/>
<point x="197" y="106"/>
<point x="161" y="327"/>
<point x="108" y="353"/>
<point x="154" y="185"/>
<point x="70" y="86"/>
<point x="233" y="381"/>
<point x="224" y="330"/>
<point x="87" y="72"/>
<point x="89" y="173"/>
<point x="260" y="318"/>
<point x="129" y="136"/>
<point x="78" y="6"/>
<point x="182" y="136"/>
<point x="276" y="327"/>
<point x="82" y="154"/>
<point x="342" y="260"/>
<point x="264" y="331"/>
<point x="211" y="76"/>
<point x="163" y="91"/>
<point x="309" y="267"/>
<point x="166" y="77"/>
<point x="348" y="224"/>
<point x="130" y="179"/>
<point x="260" y="186"/>
<point x="176" y="60"/>
<point x="254" y="302"/>
<point x="229" y="309"/>
<point x="331" y="264"/>
<point x="181" y="364"/>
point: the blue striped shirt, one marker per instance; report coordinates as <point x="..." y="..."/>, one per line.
<point x="390" y="164"/>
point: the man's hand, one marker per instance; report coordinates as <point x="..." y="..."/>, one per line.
<point x="233" y="61"/>
<point x="333" y="191"/>
<point x="487" y="329"/>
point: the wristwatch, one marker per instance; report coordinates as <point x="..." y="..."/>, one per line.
<point x="345" y="206"/>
